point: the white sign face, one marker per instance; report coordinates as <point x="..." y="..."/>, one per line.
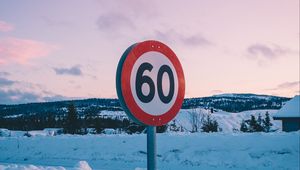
<point x="154" y="83"/>
<point x="150" y="83"/>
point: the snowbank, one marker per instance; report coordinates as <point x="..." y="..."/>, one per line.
<point x="29" y="167"/>
<point x="5" y="133"/>
<point x="175" y="151"/>
<point x="81" y="165"/>
<point x="45" y="132"/>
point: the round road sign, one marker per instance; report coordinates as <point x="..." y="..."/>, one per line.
<point x="150" y="83"/>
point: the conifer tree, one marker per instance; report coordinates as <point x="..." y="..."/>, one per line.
<point x="72" y="125"/>
<point x="267" y="123"/>
<point x="210" y="125"/>
<point x="244" y="127"/>
<point x="99" y="125"/>
<point x="173" y="126"/>
<point x="259" y="125"/>
<point x="252" y="124"/>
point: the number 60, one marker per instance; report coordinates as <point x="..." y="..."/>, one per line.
<point x="141" y="79"/>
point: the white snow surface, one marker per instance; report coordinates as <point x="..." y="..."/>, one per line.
<point x="229" y="149"/>
<point x="175" y="151"/>
<point x="290" y="109"/>
<point x="228" y="122"/>
<point x="45" y="132"/>
<point x="28" y="167"/>
<point x="83" y="165"/>
<point x="113" y="114"/>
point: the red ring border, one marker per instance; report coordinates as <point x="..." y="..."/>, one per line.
<point x="127" y="67"/>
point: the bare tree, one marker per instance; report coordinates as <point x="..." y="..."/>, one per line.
<point x="196" y="119"/>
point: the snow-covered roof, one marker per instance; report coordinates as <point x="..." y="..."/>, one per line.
<point x="290" y="109"/>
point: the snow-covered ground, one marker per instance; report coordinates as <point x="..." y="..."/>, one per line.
<point x="228" y="149"/>
<point x="176" y="151"/>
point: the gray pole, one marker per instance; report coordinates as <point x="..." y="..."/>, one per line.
<point x="151" y="148"/>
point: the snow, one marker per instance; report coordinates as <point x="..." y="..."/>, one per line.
<point x="176" y="151"/>
<point x="29" y="167"/>
<point x="8" y="133"/>
<point x="4" y="132"/>
<point x="83" y="165"/>
<point x="109" y="131"/>
<point x="228" y="122"/>
<point x="113" y="114"/>
<point x="13" y="116"/>
<point x="45" y="132"/>
<point x="290" y="109"/>
<point x="229" y="149"/>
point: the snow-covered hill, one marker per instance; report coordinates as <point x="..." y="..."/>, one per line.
<point x="245" y="95"/>
<point x="228" y="122"/>
<point x="232" y="102"/>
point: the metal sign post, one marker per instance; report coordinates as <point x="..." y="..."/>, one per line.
<point x="150" y="86"/>
<point x="151" y="148"/>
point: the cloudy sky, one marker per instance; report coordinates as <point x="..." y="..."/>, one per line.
<point x="60" y="49"/>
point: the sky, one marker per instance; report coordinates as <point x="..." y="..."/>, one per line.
<point x="70" y="49"/>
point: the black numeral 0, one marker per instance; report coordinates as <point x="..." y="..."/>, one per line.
<point x="140" y="80"/>
<point x="161" y="71"/>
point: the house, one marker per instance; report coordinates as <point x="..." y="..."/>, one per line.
<point x="289" y="114"/>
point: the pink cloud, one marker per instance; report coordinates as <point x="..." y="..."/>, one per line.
<point x="5" y="27"/>
<point x="21" y="50"/>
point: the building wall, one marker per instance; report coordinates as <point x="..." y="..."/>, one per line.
<point x="289" y="125"/>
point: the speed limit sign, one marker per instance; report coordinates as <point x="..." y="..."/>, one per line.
<point x="150" y="83"/>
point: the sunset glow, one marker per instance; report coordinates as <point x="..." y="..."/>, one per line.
<point x="55" y="50"/>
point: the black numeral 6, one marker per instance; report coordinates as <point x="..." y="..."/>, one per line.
<point x="141" y="79"/>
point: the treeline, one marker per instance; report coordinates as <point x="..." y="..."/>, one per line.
<point x="72" y="123"/>
<point x="237" y="103"/>
<point x="258" y="124"/>
<point x="59" y="107"/>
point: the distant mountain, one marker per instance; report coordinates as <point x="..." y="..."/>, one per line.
<point x="226" y="102"/>
<point x="245" y="95"/>
<point x="84" y="106"/>
<point x="232" y="102"/>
